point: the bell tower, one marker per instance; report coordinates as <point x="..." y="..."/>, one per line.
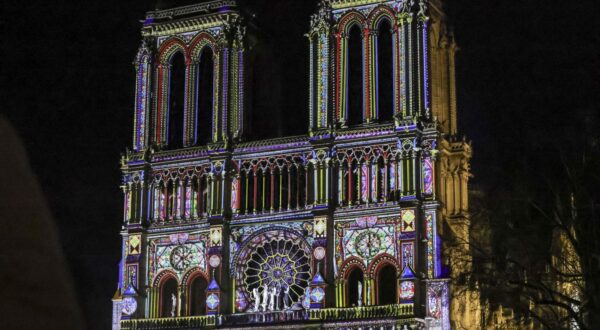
<point x="189" y="77"/>
<point x="369" y="66"/>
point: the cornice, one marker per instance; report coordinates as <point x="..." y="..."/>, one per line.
<point x="184" y="25"/>
<point x="199" y="8"/>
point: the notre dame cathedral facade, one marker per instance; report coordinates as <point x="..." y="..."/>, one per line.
<point x="344" y="227"/>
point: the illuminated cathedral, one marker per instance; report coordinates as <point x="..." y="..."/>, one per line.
<point x="343" y="227"/>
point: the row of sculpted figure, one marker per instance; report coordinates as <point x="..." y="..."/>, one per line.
<point x="269" y="298"/>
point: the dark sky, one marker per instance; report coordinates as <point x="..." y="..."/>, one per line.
<point x="526" y="71"/>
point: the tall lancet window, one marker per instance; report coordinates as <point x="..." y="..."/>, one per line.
<point x="385" y="82"/>
<point x="204" y="97"/>
<point x="176" y="101"/>
<point x="355" y="76"/>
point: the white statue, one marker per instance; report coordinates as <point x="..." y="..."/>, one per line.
<point x="173" y="304"/>
<point x="368" y="295"/>
<point x="359" y="293"/>
<point x="286" y="297"/>
<point x="277" y="293"/>
<point x="272" y="298"/>
<point x="256" y="295"/>
<point x="265" y="298"/>
<point x="306" y="298"/>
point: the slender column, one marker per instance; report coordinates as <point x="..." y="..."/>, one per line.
<point x="272" y="197"/>
<point x="201" y="203"/>
<point x="289" y="175"/>
<point x="401" y="176"/>
<point x="340" y="185"/>
<point x="344" y="286"/>
<point x="368" y="180"/>
<point x="350" y="197"/>
<point x="126" y="202"/>
<point x="367" y="75"/>
<point x="193" y="198"/>
<point x="246" y="195"/>
<point x="315" y="184"/>
<point x="371" y="185"/>
<point x="298" y="187"/>
<point x="189" y="113"/>
<point x="178" y="199"/>
<point x="238" y="194"/>
<point x="210" y="190"/>
<point x="385" y="180"/>
<point x="280" y="189"/>
<point x="187" y="200"/>
<point x="359" y="182"/>
<point x="156" y="215"/>
<point x="326" y="192"/>
<point x="394" y="179"/>
<point x="255" y="191"/>
<point x="413" y="175"/>
<point x="264" y="192"/>
<point x="222" y="192"/>
<point x="220" y="195"/>
<point x="306" y="178"/>
<point x="371" y="38"/>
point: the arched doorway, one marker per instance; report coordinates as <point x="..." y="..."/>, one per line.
<point x="197" y="296"/>
<point x="386" y="285"/>
<point x="355" y="279"/>
<point x="168" y="305"/>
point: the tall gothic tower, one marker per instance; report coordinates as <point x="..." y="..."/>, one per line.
<point x="343" y="227"/>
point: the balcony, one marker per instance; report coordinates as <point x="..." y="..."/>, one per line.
<point x="313" y="316"/>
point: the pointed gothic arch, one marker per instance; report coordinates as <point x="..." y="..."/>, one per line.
<point x="384" y="269"/>
<point x="384" y="68"/>
<point x="204" y="96"/>
<point x="168" y="285"/>
<point x="176" y="100"/>
<point x="202" y="86"/>
<point x="196" y="282"/>
<point x="355" y="75"/>
<point x="164" y="117"/>
<point x="376" y="15"/>
<point x="355" y="282"/>
<point x="350" y="18"/>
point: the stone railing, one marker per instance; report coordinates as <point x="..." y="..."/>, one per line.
<point x="194" y="322"/>
<point x="401" y="311"/>
<point x="353" y="313"/>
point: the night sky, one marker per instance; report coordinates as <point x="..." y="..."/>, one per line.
<point x="527" y="70"/>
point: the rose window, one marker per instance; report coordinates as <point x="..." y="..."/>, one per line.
<point x="278" y="263"/>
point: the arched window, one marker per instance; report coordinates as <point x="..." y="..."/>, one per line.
<point x="176" y="101"/>
<point x="197" y="296"/>
<point x="171" y="196"/>
<point x="168" y="290"/>
<point x="355" y="77"/>
<point x="354" y="278"/>
<point x="386" y="285"/>
<point x="315" y="78"/>
<point x="204" y="97"/>
<point x="385" y="82"/>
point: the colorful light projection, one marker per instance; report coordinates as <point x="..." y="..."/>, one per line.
<point x="408" y="220"/>
<point x="275" y="259"/>
<point x="427" y="175"/>
<point x="407" y="290"/>
<point x="177" y="252"/>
